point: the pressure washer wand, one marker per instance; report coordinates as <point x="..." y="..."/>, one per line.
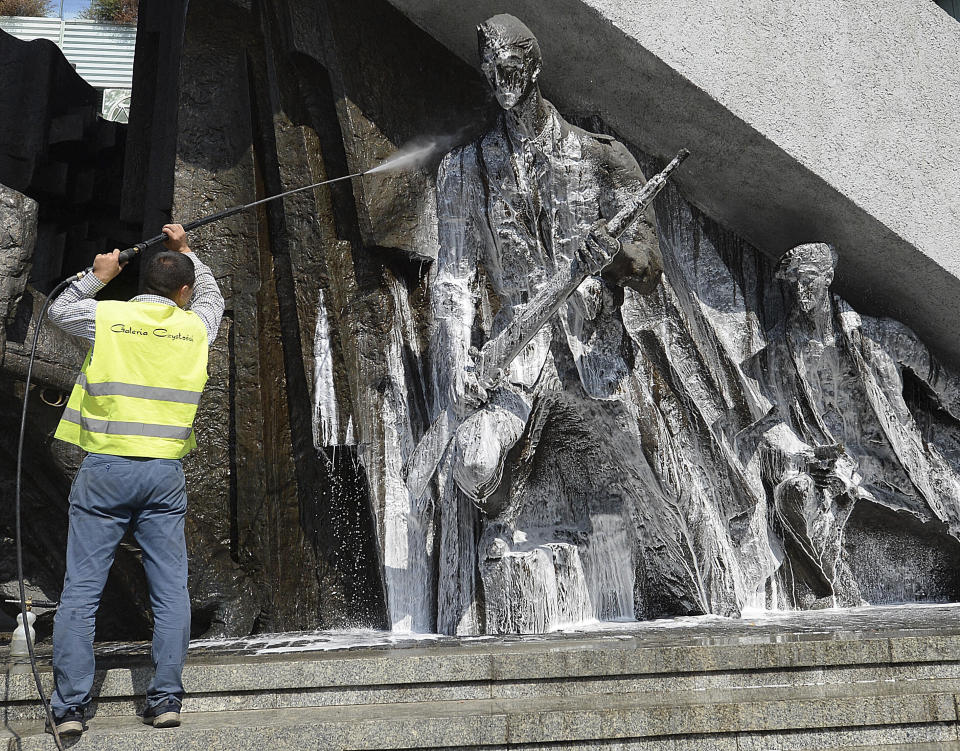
<point x="129" y="253"/>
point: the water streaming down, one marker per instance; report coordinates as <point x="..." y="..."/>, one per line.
<point x="408" y="532"/>
<point x="548" y="590"/>
<point x="609" y="567"/>
<point x="326" y="422"/>
<point x="405" y="524"/>
<point x="555" y="585"/>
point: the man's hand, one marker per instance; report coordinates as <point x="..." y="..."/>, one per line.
<point x="638" y="267"/>
<point x="106" y="266"/>
<point x="176" y="238"/>
<point x="597" y="249"/>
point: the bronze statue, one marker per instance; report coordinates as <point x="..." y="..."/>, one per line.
<point x="514" y="207"/>
<point x="838" y="431"/>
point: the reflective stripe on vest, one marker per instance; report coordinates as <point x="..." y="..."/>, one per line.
<point x="158" y="393"/>
<point x="125" y="428"/>
<point x="138" y="395"/>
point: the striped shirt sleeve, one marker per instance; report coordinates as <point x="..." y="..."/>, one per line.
<point x="207" y="301"/>
<point x="74" y="311"/>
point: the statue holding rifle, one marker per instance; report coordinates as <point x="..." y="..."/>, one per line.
<point x="528" y="201"/>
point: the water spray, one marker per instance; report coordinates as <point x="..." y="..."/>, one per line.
<point x="409" y="156"/>
<point x="412" y="155"/>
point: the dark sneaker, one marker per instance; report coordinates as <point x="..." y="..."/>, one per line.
<point x="70" y="723"/>
<point x="166" y="714"/>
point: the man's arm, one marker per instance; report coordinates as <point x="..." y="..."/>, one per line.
<point x="639" y="264"/>
<point x="891" y="338"/>
<point x="74" y="311"/>
<point x="207" y="300"/>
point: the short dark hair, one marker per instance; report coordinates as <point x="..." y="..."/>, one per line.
<point x="166" y="273"/>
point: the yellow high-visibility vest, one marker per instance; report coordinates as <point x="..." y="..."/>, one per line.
<point x="139" y="388"/>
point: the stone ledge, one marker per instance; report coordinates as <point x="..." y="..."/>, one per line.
<point x="909" y="679"/>
<point x="804" y="681"/>
<point x="575" y="660"/>
<point x="875" y="639"/>
<point x="692" y="688"/>
<point x="496" y="722"/>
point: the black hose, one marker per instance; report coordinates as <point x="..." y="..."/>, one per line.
<point x="23" y="592"/>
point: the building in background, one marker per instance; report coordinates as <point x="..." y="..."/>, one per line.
<point x="101" y="53"/>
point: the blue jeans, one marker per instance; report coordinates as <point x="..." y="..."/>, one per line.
<point x="110" y="494"/>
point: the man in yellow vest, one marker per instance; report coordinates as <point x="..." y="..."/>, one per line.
<point x="132" y="409"/>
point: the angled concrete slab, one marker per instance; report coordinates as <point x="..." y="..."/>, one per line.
<point x="821" y="120"/>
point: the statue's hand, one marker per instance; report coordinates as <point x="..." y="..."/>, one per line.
<point x="597" y="249"/>
<point x="588" y="298"/>
<point x="638" y="267"/>
<point x="466" y="393"/>
<point x="829" y="479"/>
<point x="832" y="470"/>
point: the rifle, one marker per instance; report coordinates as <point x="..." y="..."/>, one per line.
<point x="497" y="354"/>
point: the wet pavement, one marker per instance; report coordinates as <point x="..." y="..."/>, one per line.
<point x="765" y="627"/>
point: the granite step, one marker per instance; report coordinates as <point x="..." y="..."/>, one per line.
<point x="511" y="670"/>
<point x="822" y="681"/>
<point x="251" y="687"/>
<point x="492" y="722"/>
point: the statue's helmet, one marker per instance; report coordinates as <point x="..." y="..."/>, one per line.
<point x="818" y="259"/>
<point x="509" y="58"/>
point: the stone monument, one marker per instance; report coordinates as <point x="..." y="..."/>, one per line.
<point x="514" y="207"/>
<point x="838" y="431"/>
<point x="698" y="431"/>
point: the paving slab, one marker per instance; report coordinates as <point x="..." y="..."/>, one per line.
<point x="492" y="722"/>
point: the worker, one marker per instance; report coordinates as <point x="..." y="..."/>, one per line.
<point x="132" y="410"/>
